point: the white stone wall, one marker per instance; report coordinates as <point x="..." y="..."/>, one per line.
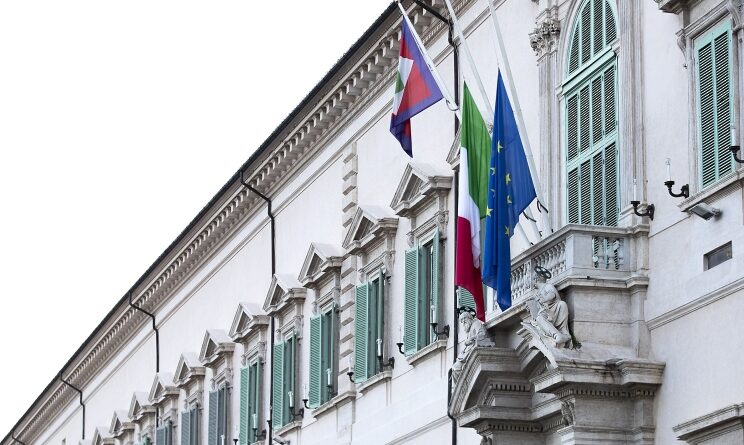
<point x="693" y="315"/>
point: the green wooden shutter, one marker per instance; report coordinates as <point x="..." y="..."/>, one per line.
<point x="255" y="400"/>
<point x="277" y="409"/>
<point x="315" y="361"/>
<point x="244" y="402"/>
<point x="160" y="435"/>
<point x="465" y="299"/>
<point x="714" y="62"/>
<point x="212" y="419"/>
<point x="360" y="333"/>
<point x="410" y="296"/>
<point x="185" y="428"/>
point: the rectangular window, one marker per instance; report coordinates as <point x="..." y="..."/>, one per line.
<point x="217" y="421"/>
<point x="190" y="427"/>
<point x="322" y="357"/>
<point x="284" y="382"/>
<point x="717" y="256"/>
<point x="421" y="294"/>
<point x="592" y="192"/>
<point x="163" y="434"/>
<point x="250" y="378"/>
<point x="368" y="331"/>
<point x="714" y="62"/>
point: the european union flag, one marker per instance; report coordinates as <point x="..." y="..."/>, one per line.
<point x="510" y="192"/>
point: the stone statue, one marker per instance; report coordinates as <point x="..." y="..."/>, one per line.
<point x="475" y="335"/>
<point x="549" y="313"/>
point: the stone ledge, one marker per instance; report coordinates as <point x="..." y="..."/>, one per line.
<point x="723" y="421"/>
<point x="427" y="350"/>
<point x="288" y="428"/>
<point x="373" y="381"/>
<point x="333" y="403"/>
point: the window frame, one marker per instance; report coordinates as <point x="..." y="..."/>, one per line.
<point x="376" y="279"/>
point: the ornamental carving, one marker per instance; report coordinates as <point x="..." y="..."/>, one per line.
<point x="544" y="38"/>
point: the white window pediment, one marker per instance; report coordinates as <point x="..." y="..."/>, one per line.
<point x="162" y="388"/>
<point x="121" y="425"/>
<point x="188" y="370"/>
<point x="420" y="185"/>
<point x="453" y="157"/>
<point x="140" y="407"/>
<point x="248" y="319"/>
<point x="215" y="346"/>
<point x="371" y="225"/>
<point x="284" y="291"/>
<point x="321" y="262"/>
<point x="101" y="436"/>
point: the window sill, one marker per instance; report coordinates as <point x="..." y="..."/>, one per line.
<point x="329" y="405"/>
<point x="722" y="187"/>
<point x="374" y="381"/>
<point x="427" y="350"/>
<point x="288" y="428"/>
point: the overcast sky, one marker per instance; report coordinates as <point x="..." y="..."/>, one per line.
<point x="118" y="122"/>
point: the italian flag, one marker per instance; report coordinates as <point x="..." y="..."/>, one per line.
<point x="475" y="150"/>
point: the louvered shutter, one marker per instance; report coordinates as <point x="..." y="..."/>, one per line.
<point x="213" y="417"/>
<point x="612" y="198"/>
<point x="160" y="435"/>
<point x="360" y="332"/>
<point x="255" y="398"/>
<point x="244" y="404"/>
<point x="315" y="361"/>
<point x="410" y="296"/>
<point x="185" y="428"/>
<point x="714" y="62"/>
<point x="277" y="409"/>
<point x="594" y="30"/>
<point x="435" y="268"/>
<point x="465" y="299"/>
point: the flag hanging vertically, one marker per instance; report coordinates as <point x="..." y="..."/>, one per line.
<point x="511" y="190"/>
<point x="475" y="145"/>
<point x="415" y="88"/>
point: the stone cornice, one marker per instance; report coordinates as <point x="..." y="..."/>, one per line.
<point x="337" y="103"/>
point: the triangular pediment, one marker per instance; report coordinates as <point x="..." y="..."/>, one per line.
<point x="189" y="367"/>
<point x="120" y="423"/>
<point x="215" y="345"/>
<point x="283" y="288"/>
<point x="420" y="181"/>
<point x="319" y="261"/>
<point x="162" y="387"/>
<point x="248" y="318"/>
<point x="368" y="221"/>
<point x="101" y="436"/>
<point x="140" y="406"/>
<point x="453" y="157"/>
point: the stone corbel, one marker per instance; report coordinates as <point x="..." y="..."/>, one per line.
<point x="736" y="9"/>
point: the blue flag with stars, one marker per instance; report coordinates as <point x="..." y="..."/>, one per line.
<point x="510" y="192"/>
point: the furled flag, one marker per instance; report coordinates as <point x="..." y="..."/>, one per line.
<point x="415" y="88"/>
<point x="475" y="144"/>
<point x="510" y="192"/>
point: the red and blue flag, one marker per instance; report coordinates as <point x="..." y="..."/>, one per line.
<point x="415" y="88"/>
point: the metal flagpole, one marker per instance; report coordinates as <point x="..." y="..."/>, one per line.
<point x="501" y="54"/>
<point x="430" y="63"/>
<point x="471" y="62"/>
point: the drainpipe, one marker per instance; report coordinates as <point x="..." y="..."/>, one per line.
<point x="80" y="392"/>
<point x="455" y="323"/>
<point x="154" y="328"/>
<point x="269" y="429"/>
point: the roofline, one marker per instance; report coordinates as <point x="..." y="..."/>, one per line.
<point x="235" y="178"/>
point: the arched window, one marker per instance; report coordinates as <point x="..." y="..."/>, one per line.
<point x="591" y="124"/>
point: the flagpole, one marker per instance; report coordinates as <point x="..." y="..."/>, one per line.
<point x="471" y="62"/>
<point x="430" y="63"/>
<point x="520" y="120"/>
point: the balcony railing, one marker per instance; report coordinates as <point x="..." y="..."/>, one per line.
<point x="579" y="251"/>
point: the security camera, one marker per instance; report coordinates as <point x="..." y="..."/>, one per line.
<point x="705" y="211"/>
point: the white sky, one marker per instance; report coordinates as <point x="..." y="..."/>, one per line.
<point x="118" y="122"/>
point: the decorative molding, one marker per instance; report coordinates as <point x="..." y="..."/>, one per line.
<point x="189" y="376"/>
<point x="216" y="346"/>
<point x="322" y="262"/>
<point x="545" y="37"/>
<point x="371" y="227"/>
<point x="140" y="407"/>
<point x="101" y="436"/>
<point x="426" y="351"/>
<point x="338" y="103"/>
<point x="121" y="425"/>
<point x="728" y="421"/>
<point x="284" y="291"/>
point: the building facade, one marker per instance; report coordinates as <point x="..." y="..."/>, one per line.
<point x="312" y="300"/>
